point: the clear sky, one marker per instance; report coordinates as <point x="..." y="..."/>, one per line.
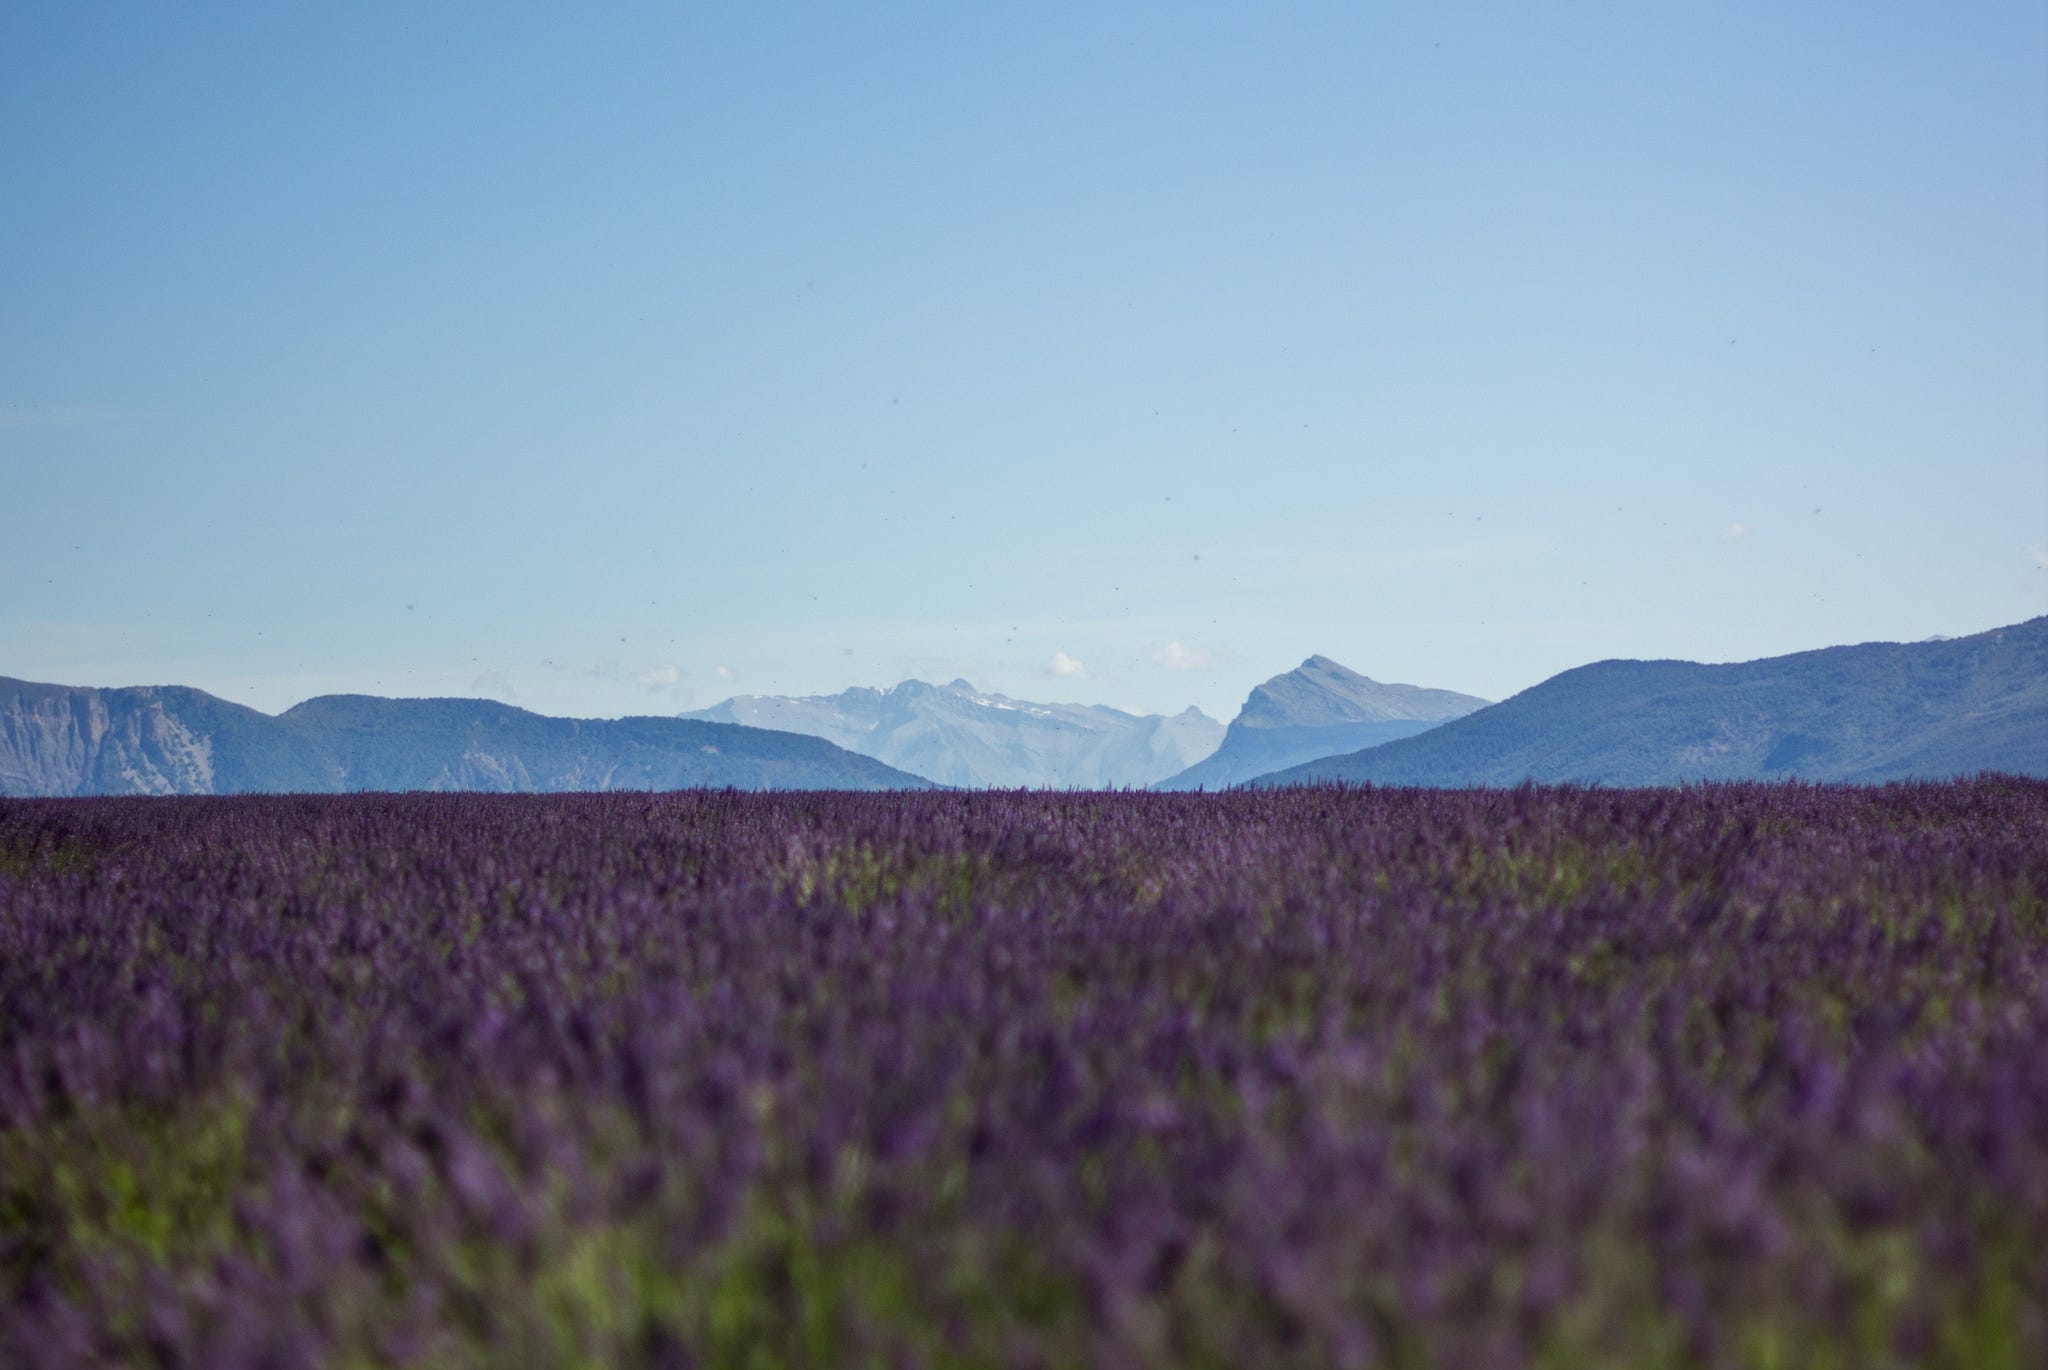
<point x="615" y="359"/>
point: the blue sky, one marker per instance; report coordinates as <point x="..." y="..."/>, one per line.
<point x="614" y="362"/>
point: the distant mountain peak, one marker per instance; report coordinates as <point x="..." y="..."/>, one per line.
<point x="1322" y="693"/>
<point x="960" y="735"/>
<point x="1320" y="708"/>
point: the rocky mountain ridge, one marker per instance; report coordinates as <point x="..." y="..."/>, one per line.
<point x="957" y="735"/>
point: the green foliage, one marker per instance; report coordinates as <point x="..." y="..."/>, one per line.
<point x="136" y="1186"/>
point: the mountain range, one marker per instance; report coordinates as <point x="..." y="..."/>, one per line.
<point x="1879" y="711"/>
<point x="65" y="740"/>
<point x="1318" y="709"/>
<point x="1874" y="712"/>
<point x="958" y="735"/>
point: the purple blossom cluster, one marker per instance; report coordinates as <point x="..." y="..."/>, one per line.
<point x="1743" y="1075"/>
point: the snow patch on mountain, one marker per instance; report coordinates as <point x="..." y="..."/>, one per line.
<point x="959" y="735"/>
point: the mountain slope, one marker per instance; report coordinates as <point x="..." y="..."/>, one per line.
<point x="1879" y="711"/>
<point x="958" y="735"/>
<point x="62" y="739"/>
<point x="59" y="740"/>
<point x="1318" y="709"/>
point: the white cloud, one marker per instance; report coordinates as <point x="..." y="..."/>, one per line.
<point x="604" y="668"/>
<point x="726" y="673"/>
<point x="1178" y="656"/>
<point x="1735" y="532"/>
<point x="496" y="684"/>
<point x="660" y="677"/>
<point x="1064" y="665"/>
<point x="2037" y="555"/>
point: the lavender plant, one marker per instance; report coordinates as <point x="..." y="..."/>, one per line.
<point x="1728" y="1076"/>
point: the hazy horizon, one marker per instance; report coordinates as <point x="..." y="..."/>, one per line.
<point x="618" y="364"/>
<point x="1052" y="696"/>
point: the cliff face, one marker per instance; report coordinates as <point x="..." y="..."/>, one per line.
<point x="47" y="741"/>
<point x="58" y="741"/>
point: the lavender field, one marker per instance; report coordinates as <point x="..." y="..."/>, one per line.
<point x="1741" y="1075"/>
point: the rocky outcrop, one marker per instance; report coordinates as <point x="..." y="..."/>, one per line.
<point x="58" y="741"/>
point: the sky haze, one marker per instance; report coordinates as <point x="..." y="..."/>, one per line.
<point x="617" y="362"/>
